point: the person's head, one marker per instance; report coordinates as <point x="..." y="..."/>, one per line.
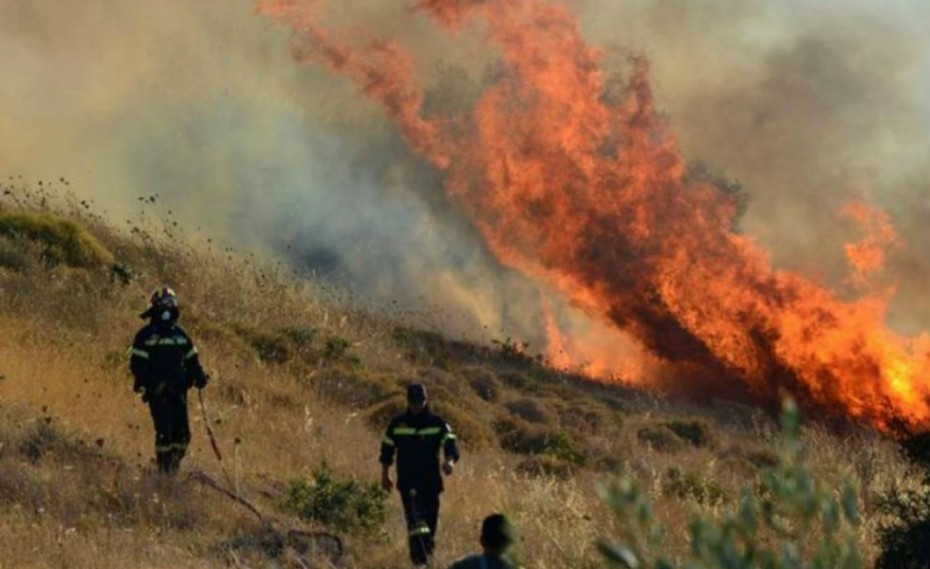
<point x="497" y="534"/>
<point x="163" y="306"/>
<point x="416" y="398"/>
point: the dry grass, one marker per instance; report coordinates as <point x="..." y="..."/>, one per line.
<point x="301" y="378"/>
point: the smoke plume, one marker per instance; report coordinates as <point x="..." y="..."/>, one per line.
<point x="811" y="106"/>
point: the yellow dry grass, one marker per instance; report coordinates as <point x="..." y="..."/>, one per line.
<point x="62" y="358"/>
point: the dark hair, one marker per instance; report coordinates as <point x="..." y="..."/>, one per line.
<point x="497" y="531"/>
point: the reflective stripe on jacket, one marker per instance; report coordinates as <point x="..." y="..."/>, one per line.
<point x="164" y="354"/>
<point x="416" y="440"/>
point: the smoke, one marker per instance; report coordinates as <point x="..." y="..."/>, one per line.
<point x="807" y="103"/>
<point x="810" y="105"/>
<point x="201" y="104"/>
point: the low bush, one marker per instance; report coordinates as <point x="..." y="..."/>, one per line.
<point x="517" y="436"/>
<point x="531" y="410"/>
<point x="904" y="533"/>
<point x="353" y="386"/>
<point x="691" y="486"/>
<point x="697" y="433"/>
<point x="587" y="419"/>
<point x="335" y="348"/>
<point x="545" y="466"/>
<point x="791" y="521"/>
<point x="63" y="241"/>
<point x="483" y="382"/>
<point x="471" y="433"/>
<point x="343" y="504"/>
<point x="660" y="438"/>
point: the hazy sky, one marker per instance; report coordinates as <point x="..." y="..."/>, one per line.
<point x="809" y="103"/>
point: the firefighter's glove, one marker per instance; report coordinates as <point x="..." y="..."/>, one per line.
<point x="202" y="381"/>
<point x="448" y="466"/>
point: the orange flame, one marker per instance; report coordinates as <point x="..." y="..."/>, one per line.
<point x="588" y="194"/>
<point x="867" y="257"/>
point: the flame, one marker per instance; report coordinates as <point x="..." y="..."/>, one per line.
<point x="587" y="193"/>
<point x="867" y="257"/>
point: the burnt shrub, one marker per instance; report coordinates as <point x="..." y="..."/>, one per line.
<point x="660" y="438"/>
<point x="483" y="382"/>
<point x="758" y="458"/>
<point x="41" y="439"/>
<point x="531" y="410"/>
<point x="545" y="466"/>
<point x="695" y="432"/>
<point x="587" y="419"/>
<point x="903" y="535"/>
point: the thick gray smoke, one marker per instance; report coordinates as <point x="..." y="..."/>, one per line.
<point x="202" y="104"/>
<point x="808" y="103"/>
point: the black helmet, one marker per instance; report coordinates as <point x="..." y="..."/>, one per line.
<point x="163" y="305"/>
<point x="416" y="394"/>
<point x="497" y="531"/>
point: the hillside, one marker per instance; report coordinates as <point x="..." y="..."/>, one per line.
<point x="301" y="378"/>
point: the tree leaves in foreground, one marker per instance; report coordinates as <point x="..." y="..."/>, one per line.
<point x="788" y="521"/>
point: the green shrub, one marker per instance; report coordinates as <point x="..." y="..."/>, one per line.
<point x="335" y="348"/>
<point x="15" y="256"/>
<point x="345" y="505"/>
<point x="793" y="522"/>
<point x="688" y="485"/>
<point x="517" y="436"/>
<point x="63" y="241"/>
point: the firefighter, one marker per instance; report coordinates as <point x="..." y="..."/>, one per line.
<point x="497" y="535"/>
<point x="416" y="436"/>
<point x="165" y="365"/>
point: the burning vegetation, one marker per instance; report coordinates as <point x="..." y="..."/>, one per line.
<point x="590" y="195"/>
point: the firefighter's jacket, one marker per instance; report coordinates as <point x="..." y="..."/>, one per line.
<point x="164" y="359"/>
<point x="417" y="439"/>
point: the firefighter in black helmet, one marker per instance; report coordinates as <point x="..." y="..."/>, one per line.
<point x="416" y="436"/>
<point x="165" y="365"/>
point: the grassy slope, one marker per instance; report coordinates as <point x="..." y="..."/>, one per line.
<point x="301" y="379"/>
